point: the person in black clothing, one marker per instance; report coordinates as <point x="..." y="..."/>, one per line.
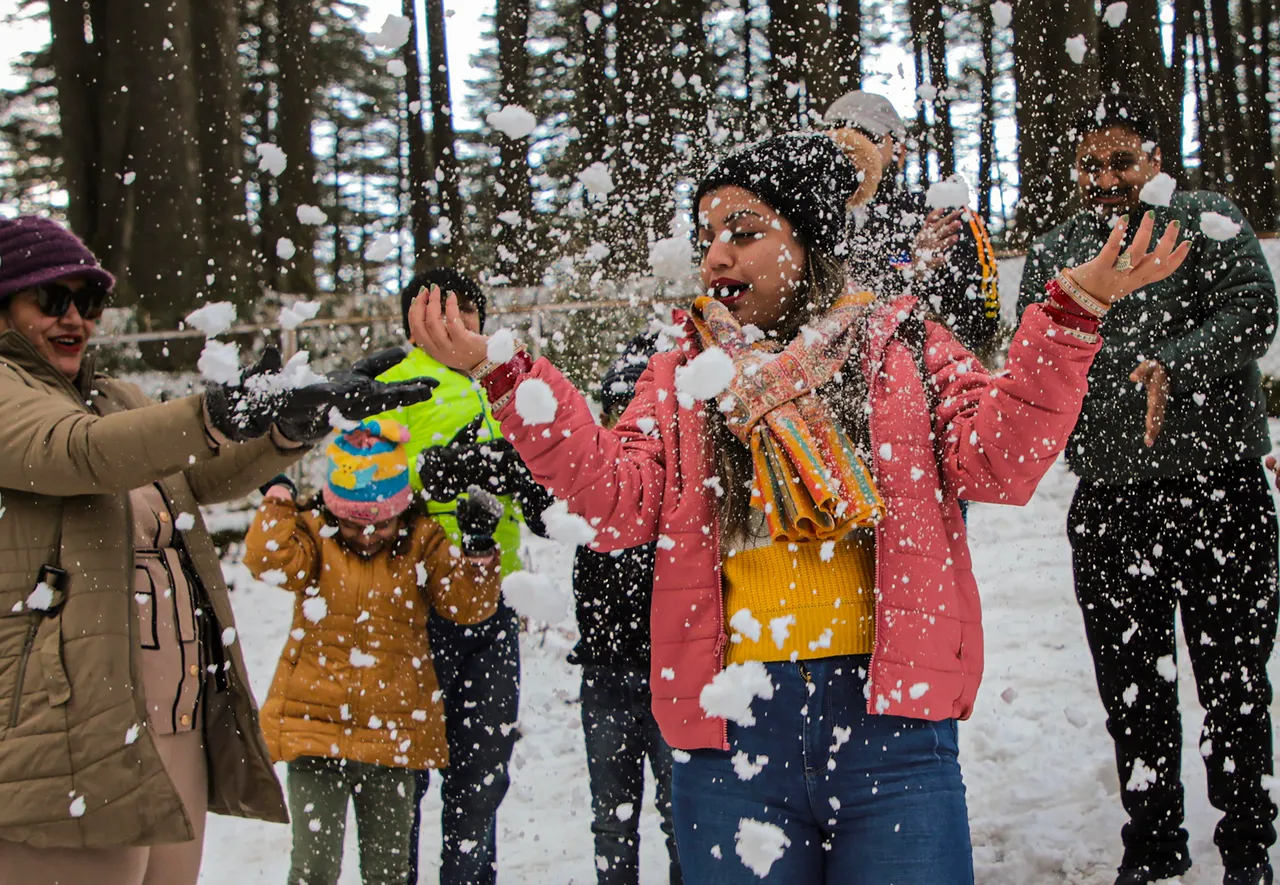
<point x="943" y="256"/>
<point x="612" y="593"/>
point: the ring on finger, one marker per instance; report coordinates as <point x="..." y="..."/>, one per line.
<point x="1124" y="262"/>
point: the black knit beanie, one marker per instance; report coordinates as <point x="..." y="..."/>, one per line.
<point x="449" y="280"/>
<point x="803" y="176"/>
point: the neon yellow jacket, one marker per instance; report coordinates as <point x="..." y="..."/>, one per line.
<point x="453" y="405"/>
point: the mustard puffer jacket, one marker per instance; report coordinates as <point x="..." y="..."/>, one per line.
<point x="355" y="679"/>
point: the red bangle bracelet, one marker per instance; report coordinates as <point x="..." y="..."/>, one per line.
<point x="502" y="379"/>
<point x="1062" y="300"/>
<point x="1071" y="320"/>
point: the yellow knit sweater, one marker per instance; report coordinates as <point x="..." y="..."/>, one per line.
<point x="786" y="601"/>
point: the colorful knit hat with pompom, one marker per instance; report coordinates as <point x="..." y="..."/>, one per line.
<point x="368" y="475"/>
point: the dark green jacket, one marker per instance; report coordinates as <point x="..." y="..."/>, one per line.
<point x="1207" y="325"/>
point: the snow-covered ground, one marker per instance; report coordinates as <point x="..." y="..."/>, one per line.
<point x="1043" y="792"/>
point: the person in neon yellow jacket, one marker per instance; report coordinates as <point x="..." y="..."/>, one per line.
<point x="478" y="666"/>
<point x="457" y="413"/>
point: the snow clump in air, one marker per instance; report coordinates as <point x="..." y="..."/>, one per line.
<point x="1218" y="227"/>
<point x="1159" y="190"/>
<point x="565" y="527"/>
<point x="1076" y="48"/>
<point x="212" y="319"/>
<point x="362" y="659"/>
<point x="535" y="597"/>
<point x="1115" y="13"/>
<point x="184" y="522"/>
<point x="927" y="92"/>
<point x="707" y="375"/>
<point x="297" y="372"/>
<point x="512" y="121"/>
<point x="285" y="249"/>
<point x="672" y="258"/>
<point x="394" y="34"/>
<point x="294" y="315"/>
<point x="315" y="609"/>
<point x="271" y="158"/>
<point x="746" y="624"/>
<point x="730" y="693"/>
<point x="397" y="68"/>
<point x="745" y="768"/>
<point x="381" y="247"/>
<point x="951" y="192"/>
<point x="1001" y="14"/>
<point x="597" y="179"/>
<point x="759" y="844"/>
<point x="1167" y="667"/>
<point x="502" y="346"/>
<point x="535" y="403"/>
<point x="308" y="214"/>
<point x="220" y="363"/>
<point x="77" y="805"/>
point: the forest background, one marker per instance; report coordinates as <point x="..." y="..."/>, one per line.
<point x="232" y="150"/>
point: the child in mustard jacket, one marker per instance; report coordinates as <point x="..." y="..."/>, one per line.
<point x="354" y="708"/>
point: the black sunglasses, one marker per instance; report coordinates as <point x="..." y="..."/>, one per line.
<point x="1117" y="163"/>
<point x="55" y="299"/>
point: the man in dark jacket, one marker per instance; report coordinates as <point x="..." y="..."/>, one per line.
<point x="943" y="254"/>
<point x="612" y="593"/>
<point x="1173" y="508"/>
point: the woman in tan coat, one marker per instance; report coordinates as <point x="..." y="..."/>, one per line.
<point x="125" y="710"/>
<point x="354" y="707"/>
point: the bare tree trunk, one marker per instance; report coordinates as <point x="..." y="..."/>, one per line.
<point x="419" y="159"/>
<point x="936" y="42"/>
<point x="167" y="269"/>
<point x="448" y="248"/>
<point x="849" y="45"/>
<point x="1051" y="91"/>
<point x="298" y="83"/>
<point x="793" y="26"/>
<point x="215" y="29"/>
<point x="1256" y="21"/>
<point x="594" y="96"/>
<point x="1174" y="161"/>
<point x="1244" y="187"/>
<point x="515" y="247"/>
<point x="987" y="113"/>
<point x="94" y="102"/>
<point x="75" y="68"/>
<point x="642" y="171"/>
<point x="1208" y="128"/>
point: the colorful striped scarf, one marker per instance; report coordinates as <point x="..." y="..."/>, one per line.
<point x="809" y="480"/>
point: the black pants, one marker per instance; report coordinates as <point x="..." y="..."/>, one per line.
<point x="620" y="731"/>
<point x="478" y="668"/>
<point x="1206" y="544"/>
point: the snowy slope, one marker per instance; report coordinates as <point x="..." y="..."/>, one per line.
<point x="1042" y="791"/>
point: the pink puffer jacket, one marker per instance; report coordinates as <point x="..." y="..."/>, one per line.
<point x="653" y="477"/>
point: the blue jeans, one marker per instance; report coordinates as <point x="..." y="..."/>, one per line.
<point x="859" y="799"/>
<point x="478" y="667"/>
<point x="617" y="721"/>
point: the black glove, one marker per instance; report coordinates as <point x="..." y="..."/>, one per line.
<point x="447" y="470"/>
<point x="355" y="392"/>
<point x="279" y="479"/>
<point x="478" y="516"/>
<point x="247" y="410"/>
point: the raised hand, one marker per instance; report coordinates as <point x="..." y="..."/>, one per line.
<point x="1151" y="375"/>
<point x="940" y="233"/>
<point x="446" y="471"/>
<point x="246" y="410"/>
<point x="440" y="332"/>
<point x="1115" y="272"/>
<point x="478" y="515"/>
<point x="355" y="393"/>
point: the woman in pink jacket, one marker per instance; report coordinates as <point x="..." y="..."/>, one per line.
<point x="798" y="457"/>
